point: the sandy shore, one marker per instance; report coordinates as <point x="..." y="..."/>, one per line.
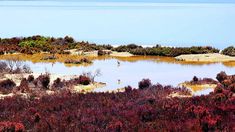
<point x="197" y="87"/>
<point x="76" y="89"/>
<point x="116" y="90"/>
<point x="18" y="77"/>
<point x="175" y="94"/>
<point x="88" y="88"/>
<point x="95" y="53"/>
<point x="121" y="54"/>
<point x="214" y="57"/>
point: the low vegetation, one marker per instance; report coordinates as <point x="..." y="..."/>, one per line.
<point x="36" y="44"/>
<point x="165" y="51"/>
<point x="6" y="86"/>
<point x="230" y="51"/>
<point x="62" y="84"/>
<point x="80" y="61"/>
<point x="37" y="86"/>
<point x="145" y="83"/>
<point x="199" y="81"/>
<point x="145" y="109"/>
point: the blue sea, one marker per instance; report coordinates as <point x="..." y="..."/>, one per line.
<point x="116" y="23"/>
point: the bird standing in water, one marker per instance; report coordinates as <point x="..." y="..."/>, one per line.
<point x="118" y="62"/>
<point x="119" y="81"/>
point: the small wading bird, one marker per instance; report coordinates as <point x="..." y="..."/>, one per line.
<point x="118" y="62"/>
<point x="119" y="81"/>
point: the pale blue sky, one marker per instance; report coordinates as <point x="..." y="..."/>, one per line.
<point x="162" y="1"/>
<point x="174" y="24"/>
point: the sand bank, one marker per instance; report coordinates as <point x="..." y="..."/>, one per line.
<point x="95" y="53"/>
<point x="175" y="94"/>
<point x="214" y="57"/>
<point x="197" y="87"/>
<point x="121" y="54"/>
<point x="88" y="88"/>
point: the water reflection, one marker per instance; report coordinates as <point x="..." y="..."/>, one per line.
<point x="118" y="72"/>
<point x="130" y="73"/>
<point x="35" y="58"/>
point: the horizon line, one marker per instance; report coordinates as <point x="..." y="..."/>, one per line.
<point x="121" y="1"/>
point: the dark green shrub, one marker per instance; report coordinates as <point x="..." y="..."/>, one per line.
<point x="165" y="51"/>
<point x="229" y="51"/>
<point x="69" y="39"/>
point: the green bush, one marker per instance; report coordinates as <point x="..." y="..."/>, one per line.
<point x="229" y="51"/>
<point x="165" y="51"/>
<point x="127" y="48"/>
<point x="27" y="44"/>
<point x="35" y="42"/>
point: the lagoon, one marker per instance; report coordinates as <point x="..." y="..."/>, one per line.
<point x="133" y="69"/>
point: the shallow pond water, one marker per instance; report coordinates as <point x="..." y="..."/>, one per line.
<point x="131" y="72"/>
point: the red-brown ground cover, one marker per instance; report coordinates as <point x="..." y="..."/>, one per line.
<point x="146" y="109"/>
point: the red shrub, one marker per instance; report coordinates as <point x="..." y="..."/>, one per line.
<point x="23" y="87"/>
<point x="84" y="80"/>
<point x="30" y="78"/>
<point x="43" y="81"/>
<point x="145" y="83"/>
<point x="232" y="87"/>
<point x="116" y="126"/>
<point x="58" y="84"/>
<point x="209" y="123"/>
<point x="148" y="109"/>
<point x="220" y="97"/>
<point x="221" y="76"/>
<point x="7" y="85"/>
<point x="11" y="127"/>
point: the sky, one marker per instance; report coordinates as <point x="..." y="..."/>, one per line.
<point x="161" y="1"/>
<point x="122" y="23"/>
